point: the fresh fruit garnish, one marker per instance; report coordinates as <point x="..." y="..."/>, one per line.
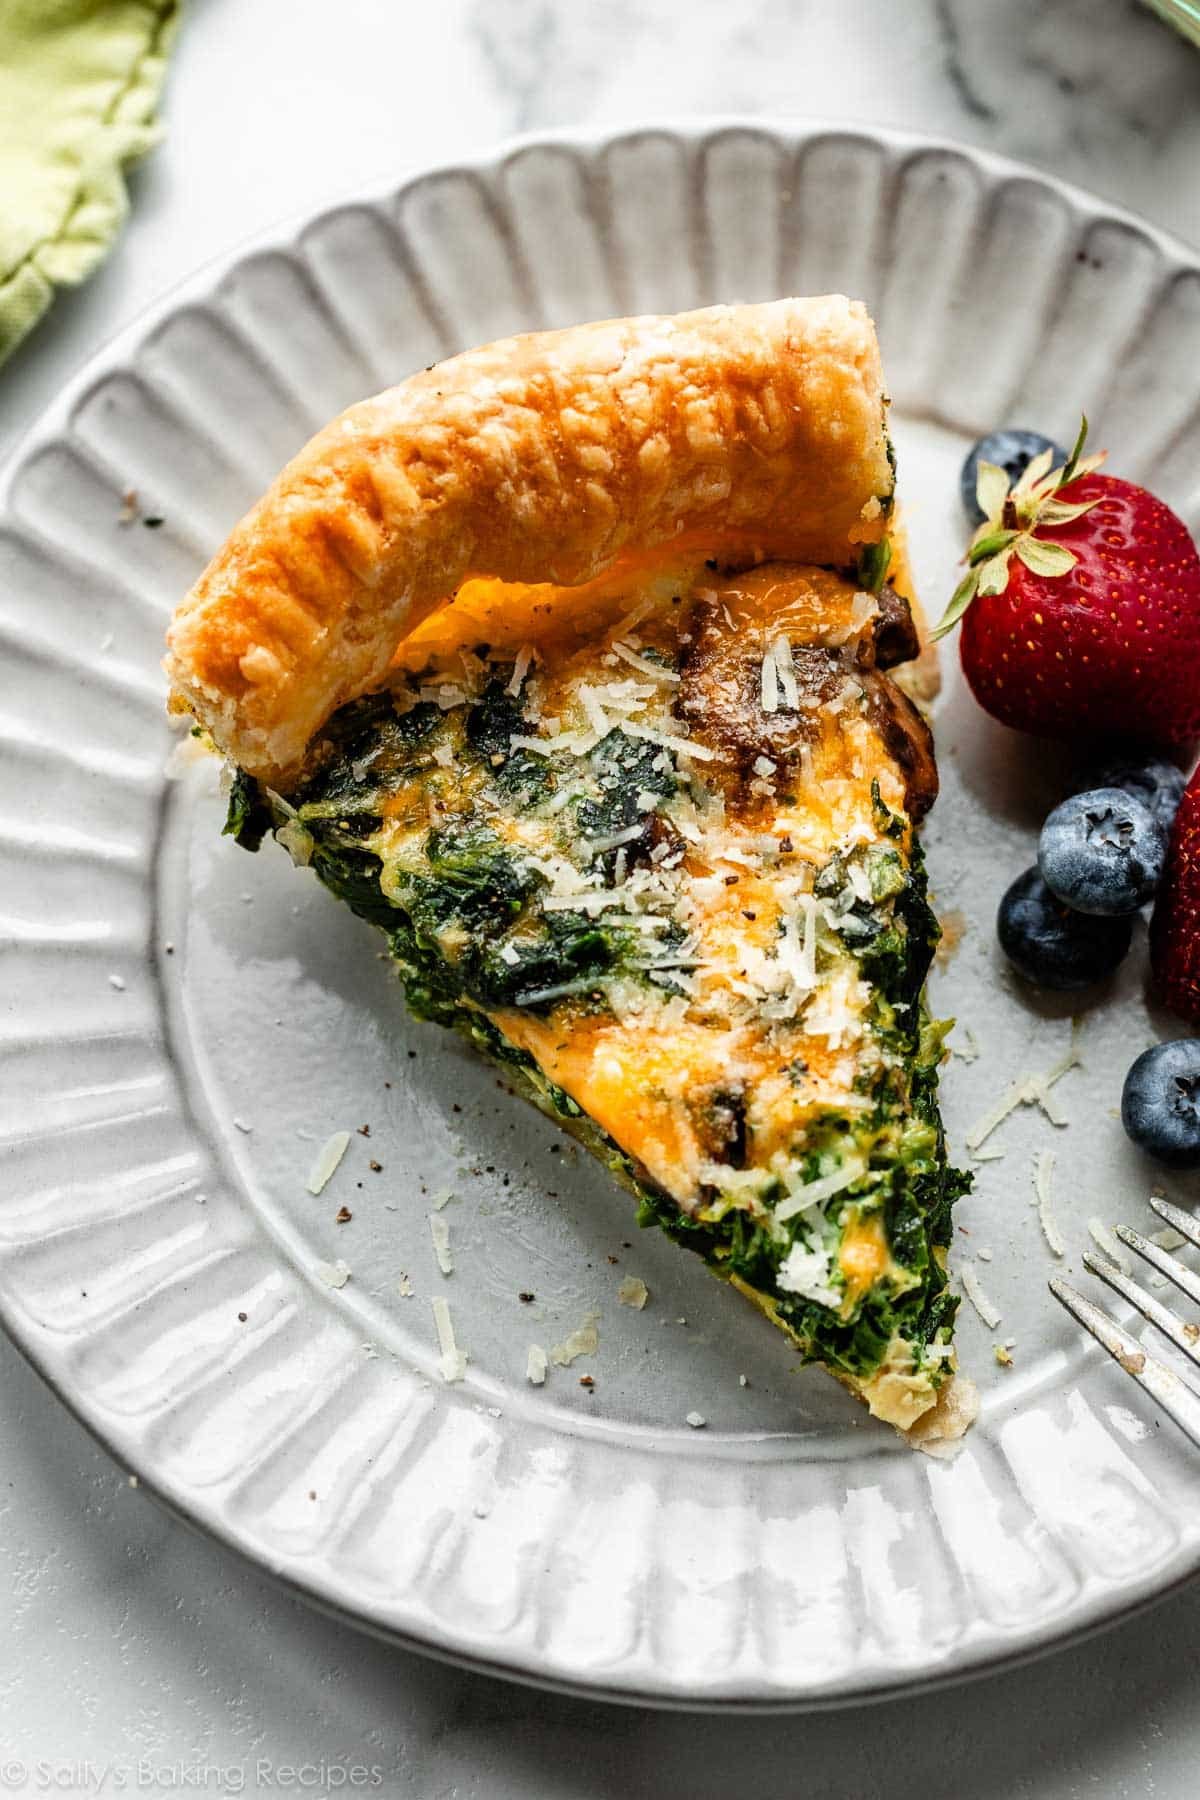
<point x="1080" y="605"/>
<point x="1052" y="946"/>
<point x="1157" y="783"/>
<point x="1102" y="852"/>
<point x="1012" y="451"/>
<point x="1160" y="1103"/>
<point x="1175" y="927"/>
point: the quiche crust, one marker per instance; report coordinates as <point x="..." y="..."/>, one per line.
<point x="757" y="431"/>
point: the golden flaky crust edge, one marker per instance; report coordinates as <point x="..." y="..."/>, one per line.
<point x="754" y="431"/>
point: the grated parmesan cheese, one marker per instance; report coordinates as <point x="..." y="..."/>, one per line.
<point x="328" y="1157"/>
<point x="588" y="900"/>
<point x="597" y="718"/>
<point x="769" y="688"/>
<point x="445" y="695"/>
<point x="1027" y="1090"/>
<point x="807" y="1270"/>
<point x="644" y="664"/>
<point x="598" y="845"/>
<point x="555" y="804"/>
<point x="439" y="1231"/>
<point x="520" y="670"/>
<point x="536" y="1365"/>
<point x="667" y="740"/>
<point x="808" y="949"/>
<point x="972" y="1287"/>
<point x="583" y="1341"/>
<point x="1043" y="1171"/>
<point x="836" y="1010"/>
<point x="814" y="1193"/>
<point x="626" y="695"/>
<point x="452" y="1363"/>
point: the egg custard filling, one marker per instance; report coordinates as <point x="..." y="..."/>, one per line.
<point x="651" y="847"/>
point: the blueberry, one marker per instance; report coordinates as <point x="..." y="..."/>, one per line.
<point x="1012" y="451"/>
<point x="1050" y="945"/>
<point x="1157" y="783"/>
<point x="1160" y="1104"/>
<point x="1102" y="852"/>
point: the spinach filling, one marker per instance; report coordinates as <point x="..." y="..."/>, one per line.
<point x="901" y="1138"/>
<point x="467" y="930"/>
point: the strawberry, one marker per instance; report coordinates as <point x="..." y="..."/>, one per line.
<point x="1081" y="606"/>
<point x="1175" y="927"/>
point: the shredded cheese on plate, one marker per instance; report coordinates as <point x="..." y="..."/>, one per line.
<point x="328" y="1157"/>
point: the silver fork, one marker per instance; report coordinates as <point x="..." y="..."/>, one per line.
<point x="1173" y="1394"/>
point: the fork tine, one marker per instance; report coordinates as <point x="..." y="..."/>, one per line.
<point x="1161" y="1383"/>
<point x="1185" y="1337"/>
<point x="1184" y="1279"/>
<point x="1183" y="1222"/>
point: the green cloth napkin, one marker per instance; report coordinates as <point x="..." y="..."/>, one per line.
<point x="79" y="80"/>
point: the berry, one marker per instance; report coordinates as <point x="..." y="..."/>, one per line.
<point x="1012" y="451"/>
<point x="1151" y="779"/>
<point x="1175" y="927"/>
<point x="1081" y="607"/>
<point x="1102" y="852"/>
<point x="1050" y="945"/>
<point x="1160" y="1103"/>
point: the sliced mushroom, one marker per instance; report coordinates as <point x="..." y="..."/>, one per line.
<point x="731" y="630"/>
<point x="893" y="638"/>
<point x="909" y="741"/>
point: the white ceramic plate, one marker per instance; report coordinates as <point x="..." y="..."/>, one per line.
<point x="182" y="1026"/>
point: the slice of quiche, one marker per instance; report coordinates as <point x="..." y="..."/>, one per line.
<point x="565" y="663"/>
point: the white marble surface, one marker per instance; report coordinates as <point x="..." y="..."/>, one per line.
<point x="138" y="1656"/>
